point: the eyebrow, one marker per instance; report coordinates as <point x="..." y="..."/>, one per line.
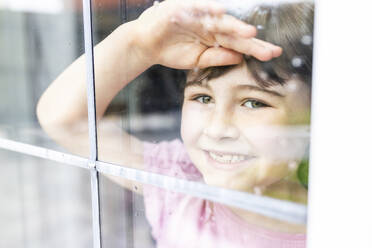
<point x="257" y="88"/>
<point x="251" y="87"/>
<point x="197" y="83"/>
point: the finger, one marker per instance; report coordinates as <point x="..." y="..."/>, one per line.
<point x="197" y="8"/>
<point x="208" y="7"/>
<point x="276" y="50"/>
<point x="188" y="15"/>
<point x="219" y="56"/>
<point x="227" y="24"/>
<point x="261" y="50"/>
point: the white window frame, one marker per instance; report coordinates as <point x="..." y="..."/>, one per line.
<point x="340" y="205"/>
<point x="340" y="211"/>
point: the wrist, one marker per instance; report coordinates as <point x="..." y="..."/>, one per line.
<point x="118" y="60"/>
<point x="135" y="39"/>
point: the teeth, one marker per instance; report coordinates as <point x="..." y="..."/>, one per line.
<point x="227" y="159"/>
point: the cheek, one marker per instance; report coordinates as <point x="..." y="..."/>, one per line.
<point x="192" y="123"/>
<point x="280" y="144"/>
<point x="274" y="139"/>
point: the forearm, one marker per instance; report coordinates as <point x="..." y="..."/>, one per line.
<point x="117" y="62"/>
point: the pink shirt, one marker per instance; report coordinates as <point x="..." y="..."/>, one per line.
<point x="180" y="220"/>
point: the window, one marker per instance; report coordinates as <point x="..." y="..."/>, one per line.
<point x="176" y="149"/>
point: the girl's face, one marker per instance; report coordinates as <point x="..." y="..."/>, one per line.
<point x="241" y="135"/>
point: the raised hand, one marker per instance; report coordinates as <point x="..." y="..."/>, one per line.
<point x="188" y="34"/>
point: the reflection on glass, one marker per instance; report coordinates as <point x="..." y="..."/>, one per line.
<point x="206" y="92"/>
<point x="156" y="217"/>
<point x="43" y="203"/>
<point x="244" y="126"/>
<point x="123" y="218"/>
<point x="37" y="41"/>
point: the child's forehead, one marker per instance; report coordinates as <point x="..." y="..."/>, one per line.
<point x="292" y="89"/>
<point x="233" y="76"/>
<point x="240" y="77"/>
<point x="210" y="75"/>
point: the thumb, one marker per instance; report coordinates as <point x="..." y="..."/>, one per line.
<point x="219" y="56"/>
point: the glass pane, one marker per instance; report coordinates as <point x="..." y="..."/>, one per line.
<point x="123" y="218"/>
<point x="154" y="217"/>
<point x="212" y="92"/>
<point x="43" y="203"/>
<point x="37" y="42"/>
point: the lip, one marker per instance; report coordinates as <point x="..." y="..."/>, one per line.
<point x="228" y="166"/>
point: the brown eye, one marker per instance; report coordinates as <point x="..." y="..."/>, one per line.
<point x="253" y="104"/>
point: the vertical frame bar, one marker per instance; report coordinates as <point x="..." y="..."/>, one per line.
<point x="89" y="56"/>
<point x="340" y="173"/>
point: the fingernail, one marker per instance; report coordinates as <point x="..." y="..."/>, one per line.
<point x="278" y="51"/>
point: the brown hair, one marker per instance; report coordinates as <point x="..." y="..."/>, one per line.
<point x="289" y="26"/>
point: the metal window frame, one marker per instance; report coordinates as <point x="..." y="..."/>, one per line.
<point x="279" y="209"/>
<point x="94" y="176"/>
<point x="340" y="177"/>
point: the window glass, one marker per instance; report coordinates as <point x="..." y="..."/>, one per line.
<point x="123" y="217"/>
<point x="211" y="92"/>
<point x="43" y="203"/>
<point x="37" y="42"/>
<point x="149" y="216"/>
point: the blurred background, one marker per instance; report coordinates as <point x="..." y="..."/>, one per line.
<point x="45" y="204"/>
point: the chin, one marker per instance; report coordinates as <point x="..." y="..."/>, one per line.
<point x="230" y="184"/>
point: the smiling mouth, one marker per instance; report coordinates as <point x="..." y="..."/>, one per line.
<point x="227" y="159"/>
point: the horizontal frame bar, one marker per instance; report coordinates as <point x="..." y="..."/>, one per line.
<point x="41" y="152"/>
<point x="278" y="209"/>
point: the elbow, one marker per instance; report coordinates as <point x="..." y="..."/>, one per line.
<point x="51" y="119"/>
<point x="45" y="118"/>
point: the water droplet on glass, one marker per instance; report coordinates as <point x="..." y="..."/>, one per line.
<point x="208" y="23"/>
<point x="292" y="165"/>
<point x="257" y="190"/>
<point x="173" y="19"/>
<point x="262" y="11"/>
<point x="263" y="75"/>
<point x="292" y="86"/>
<point x="156" y="3"/>
<point x="306" y="40"/>
<point x="296" y="62"/>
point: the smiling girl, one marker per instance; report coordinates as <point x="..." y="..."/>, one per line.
<point x="244" y="116"/>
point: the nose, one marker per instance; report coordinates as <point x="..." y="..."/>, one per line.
<point x="221" y="126"/>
